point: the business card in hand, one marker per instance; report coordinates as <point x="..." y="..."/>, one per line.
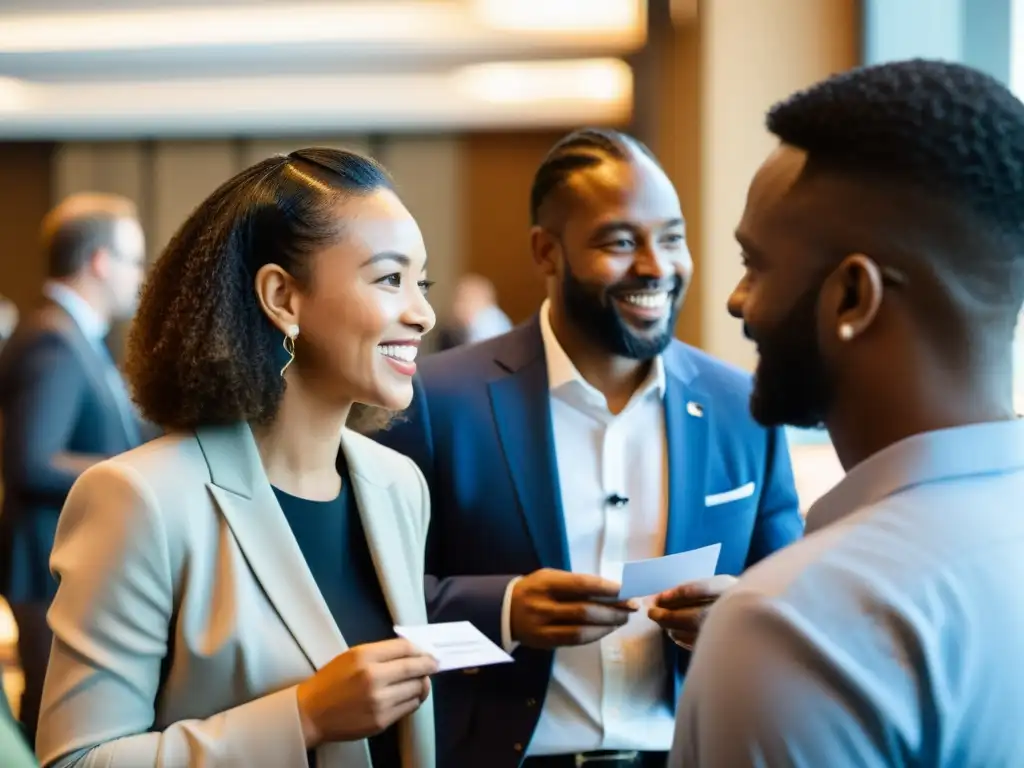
<point x="642" y="578"/>
<point x="455" y="645"/>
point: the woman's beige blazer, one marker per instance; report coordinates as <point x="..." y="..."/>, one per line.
<point x="186" y="614"/>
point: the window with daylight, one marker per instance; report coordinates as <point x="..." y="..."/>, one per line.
<point x="1017" y="86"/>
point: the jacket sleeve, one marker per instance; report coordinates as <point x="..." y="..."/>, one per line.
<point x="111" y="620"/>
<point x="39" y="417"/>
<point x="779" y="522"/>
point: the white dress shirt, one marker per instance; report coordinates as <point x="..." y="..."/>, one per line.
<point x="88" y="320"/>
<point x="609" y="694"/>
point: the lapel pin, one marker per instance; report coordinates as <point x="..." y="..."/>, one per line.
<point x="695" y="409"/>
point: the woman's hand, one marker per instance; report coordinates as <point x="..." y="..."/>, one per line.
<point x="363" y="691"/>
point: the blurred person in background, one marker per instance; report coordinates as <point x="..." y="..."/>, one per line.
<point x="883" y="245"/>
<point x="63" y="402"/>
<point x="475" y="314"/>
<point x="537" y="447"/>
<point x="8" y="318"/>
<point x="228" y="592"/>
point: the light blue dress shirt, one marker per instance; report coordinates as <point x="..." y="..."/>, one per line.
<point x="891" y="635"/>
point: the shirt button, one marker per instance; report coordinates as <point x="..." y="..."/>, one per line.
<point x="531" y="702"/>
<point x="517" y="747"/>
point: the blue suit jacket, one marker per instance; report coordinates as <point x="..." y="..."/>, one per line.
<point x="480" y="430"/>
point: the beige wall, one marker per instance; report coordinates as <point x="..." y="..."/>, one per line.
<point x="752" y="54"/>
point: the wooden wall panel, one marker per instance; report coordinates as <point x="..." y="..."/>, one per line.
<point x="114" y="167"/>
<point x="667" y="119"/>
<point x="254" y="150"/>
<point x="25" y="197"/>
<point x="427" y="173"/>
<point x="497" y="170"/>
<point x="183" y="174"/>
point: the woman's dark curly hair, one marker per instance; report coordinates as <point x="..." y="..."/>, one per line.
<point x="201" y="350"/>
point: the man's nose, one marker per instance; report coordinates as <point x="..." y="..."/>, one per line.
<point x="737" y="299"/>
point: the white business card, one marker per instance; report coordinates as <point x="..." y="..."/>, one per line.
<point x="642" y="578"/>
<point x="455" y="645"/>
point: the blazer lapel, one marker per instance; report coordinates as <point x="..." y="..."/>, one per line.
<point x="522" y="413"/>
<point x="686" y="424"/>
<point x="379" y="502"/>
<point x="243" y="494"/>
<point x="378" y="505"/>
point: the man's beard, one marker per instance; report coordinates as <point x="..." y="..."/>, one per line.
<point x="593" y="312"/>
<point x="792" y="385"/>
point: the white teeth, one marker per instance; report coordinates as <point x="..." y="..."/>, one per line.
<point x="404" y="352"/>
<point x="647" y="300"/>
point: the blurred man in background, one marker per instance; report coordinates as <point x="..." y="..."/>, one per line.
<point x="8" y="318"/>
<point x="64" y="404"/>
<point x="475" y="314"/>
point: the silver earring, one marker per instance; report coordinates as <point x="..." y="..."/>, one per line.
<point x="845" y="331"/>
<point x="289" y="346"/>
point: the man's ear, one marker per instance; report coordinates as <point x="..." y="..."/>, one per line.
<point x="855" y="289"/>
<point x="544" y="247"/>
<point x="99" y="263"/>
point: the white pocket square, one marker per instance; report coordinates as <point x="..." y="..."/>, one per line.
<point x="743" y="492"/>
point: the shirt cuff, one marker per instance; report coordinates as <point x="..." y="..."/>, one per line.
<point x="506" y="617"/>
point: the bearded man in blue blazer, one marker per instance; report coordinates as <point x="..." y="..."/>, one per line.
<point x="583" y="439"/>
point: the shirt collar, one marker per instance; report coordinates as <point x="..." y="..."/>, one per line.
<point x="89" y="322"/>
<point x="957" y="452"/>
<point x="562" y="371"/>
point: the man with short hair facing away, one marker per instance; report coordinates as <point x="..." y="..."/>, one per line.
<point x="883" y="243"/>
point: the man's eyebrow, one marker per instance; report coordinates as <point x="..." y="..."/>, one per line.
<point x="746" y="244"/>
<point x="627" y="226"/>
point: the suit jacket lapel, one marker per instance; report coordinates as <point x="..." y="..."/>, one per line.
<point x="522" y="413"/>
<point x="686" y="424"/>
<point x="377" y="502"/>
<point x="242" y="493"/>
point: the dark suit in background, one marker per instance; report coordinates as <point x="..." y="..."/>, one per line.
<point x="63" y="406"/>
<point x="480" y="429"/>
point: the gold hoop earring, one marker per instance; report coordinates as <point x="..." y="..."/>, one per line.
<point x="289" y="346"/>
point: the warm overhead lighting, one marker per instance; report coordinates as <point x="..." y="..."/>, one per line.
<point x="248" y="25"/>
<point x="597" y="80"/>
<point x="562" y="15"/>
<point x="15" y="95"/>
<point x="359" y="22"/>
<point x="532" y="94"/>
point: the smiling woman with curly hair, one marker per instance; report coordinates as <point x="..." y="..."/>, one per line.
<point x="228" y="592"/>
